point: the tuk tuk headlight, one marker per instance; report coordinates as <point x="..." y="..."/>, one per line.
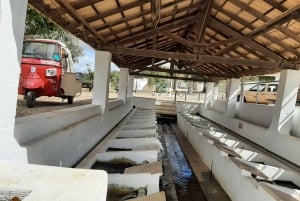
<point x="50" y="72"/>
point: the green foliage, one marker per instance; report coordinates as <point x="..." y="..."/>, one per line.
<point x="114" y="79"/>
<point x="88" y="77"/>
<point x="161" y="88"/>
<point x="38" y="26"/>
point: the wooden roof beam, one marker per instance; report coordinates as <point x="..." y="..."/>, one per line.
<point x="115" y="11"/>
<point x="184" y="72"/>
<point x="155" y="12"/>
<point x="169" y="77"/>
<point x="163" y="27"/>
<point x="221" y="43"/>
<point x="198" y="58"/>
<point x="136" y="15"/>
<point x="178" y="39"/>
<point x="84" y="3"/>
<point x="217" y="25"/>
<point x="202" y="22"/>
<point x="284" y="17"/>
<point x="74" y="14"/>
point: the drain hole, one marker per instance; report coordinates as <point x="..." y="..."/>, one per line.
<point x="114" y="166"/>
<point x="117" y="149"/>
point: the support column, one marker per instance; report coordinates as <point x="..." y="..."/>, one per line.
<point x="209" y="95"/>
<point x="285" y="102"/>
<point x="130" y="86"/>
<point x="232" y="92"/>
<point x="242" y="91"/>
<point x="123" y="81"/>
<point x="12" y="23"/>
<point x="101" y="79"/>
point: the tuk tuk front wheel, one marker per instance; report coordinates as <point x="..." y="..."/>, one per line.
<point x="30" y="98"/>
<point x="70" y="99"/>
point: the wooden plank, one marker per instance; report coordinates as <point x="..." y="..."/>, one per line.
<point x="203" y="20"/>
<point x="153" y="168"/>
<point x="115" y="11"/>
<point x="221" y="43"/>
<point x="194" y="57"/>
<point x="163" y="27"/>
<point x="224" y="28"/>
<point x="285" y="16"/>
<point x="185" y="72"/>
<point x="135" y="16"/>
<point x="82" y="3"/>
<point x="153" y="197"/>
<point x="179" y="39"/>
<point x="170" y="77"/>
<point x="75" y="15"/>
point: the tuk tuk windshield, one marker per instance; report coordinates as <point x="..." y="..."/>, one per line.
<point x="40" y="50"/>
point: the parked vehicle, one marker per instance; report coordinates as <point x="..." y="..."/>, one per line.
<point x="263" y="93"/>
<point x="47" y="70"/>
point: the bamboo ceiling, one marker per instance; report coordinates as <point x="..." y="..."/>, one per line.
<point x="201" y="39"/>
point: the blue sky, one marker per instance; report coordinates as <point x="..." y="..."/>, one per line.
<point x="88" y="59"/>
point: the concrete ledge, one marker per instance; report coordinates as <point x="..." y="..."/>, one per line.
<point x="36" y="126"/>
<point x="219" y="152"/>
<point x="114" y="104"/>
<point x="53" y="183"/>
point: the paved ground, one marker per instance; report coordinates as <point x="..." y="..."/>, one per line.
<point x="47" y="104"/>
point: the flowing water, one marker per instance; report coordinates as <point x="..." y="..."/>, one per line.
<point x="186" y="184"/>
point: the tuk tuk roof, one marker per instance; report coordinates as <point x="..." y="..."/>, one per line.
<point x="47" y="41"/>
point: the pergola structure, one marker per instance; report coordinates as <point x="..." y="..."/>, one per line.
<point x="204" y="39"/>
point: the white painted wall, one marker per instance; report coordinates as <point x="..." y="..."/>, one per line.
<point x="283" y="145"/>
<point x="296" y="123"/>
<point x="12" y="22"/>
<point x="71" y="131"/>
<point x="252" y="113"/>
<point x="230" y="176"/>
<point x="219" y="106"/>
<point x="268" y="126"/>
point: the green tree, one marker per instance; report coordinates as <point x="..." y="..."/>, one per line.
<point x="37" y="26"/>
<point x="114" y="79"/>
<point x="88" y="77"/>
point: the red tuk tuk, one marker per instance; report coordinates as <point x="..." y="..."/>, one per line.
<point x="47" y="70"/>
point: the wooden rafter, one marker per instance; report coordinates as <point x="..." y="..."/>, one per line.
<point x="220" y="26"/>
<point x="115" y="11"/>
<point x="161" y="28"/>
<point x="292" y="13"/>
<point x="203" y="20"/>
<point x="170" y="77"/>
<point x="184" y="72"/>
<point x="196" y="58"/>
<point x="196" y="36"/>
<point x="74" y="14"/>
